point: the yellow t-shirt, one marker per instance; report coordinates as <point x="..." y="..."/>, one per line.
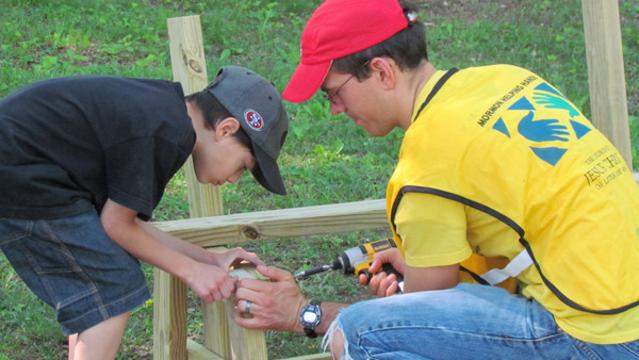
<point x="437" y="231"/>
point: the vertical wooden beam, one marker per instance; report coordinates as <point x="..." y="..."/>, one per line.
<point x="604" y="52"/>
<point x="169" y="319"/>
<point x="189" y="68"/>
<point x="246" y="344"/>
<point x="217" y="335"/>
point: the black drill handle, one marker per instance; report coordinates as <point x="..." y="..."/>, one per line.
<point x="388" y="269"/>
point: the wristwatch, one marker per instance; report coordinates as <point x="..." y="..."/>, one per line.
<point x="310" y="318"/>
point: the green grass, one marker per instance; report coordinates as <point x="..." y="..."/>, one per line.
<point x="326" y="159"/>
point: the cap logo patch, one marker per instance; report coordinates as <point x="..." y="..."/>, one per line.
<point x="253" y="119"/>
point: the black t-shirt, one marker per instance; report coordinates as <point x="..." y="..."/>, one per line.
<point x="69" y="144"/>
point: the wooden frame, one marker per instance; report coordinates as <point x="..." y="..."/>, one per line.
<point x="223" y="339"/>
<point x="233" y="229"/>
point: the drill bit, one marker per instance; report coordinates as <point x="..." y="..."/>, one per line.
<point x="301" y="275"/>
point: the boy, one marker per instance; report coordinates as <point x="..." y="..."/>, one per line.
<point x="83" y="163"/>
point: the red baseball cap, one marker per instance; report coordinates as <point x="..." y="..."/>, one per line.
<point x="336" y="29"/>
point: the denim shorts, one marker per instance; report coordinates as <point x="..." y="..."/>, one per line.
<point x="72" y="265"/>
<point x="465" y="322"/>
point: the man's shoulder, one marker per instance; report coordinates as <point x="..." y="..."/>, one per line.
<point x="496" y="68"/>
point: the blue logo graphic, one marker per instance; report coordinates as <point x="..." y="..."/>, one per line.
<point x="538" y="127"/>
<point x="551" y="155"/>
<point x="555" y="102"/>
<point x="580" y="129"/>
<point x="500" y="126"/>
<point x="522" y="104"/>
<point x="542" y="130"/>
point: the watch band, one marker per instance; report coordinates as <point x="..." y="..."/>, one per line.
<point x="310" y="333"/>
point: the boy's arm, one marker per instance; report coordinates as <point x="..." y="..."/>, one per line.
<point x="222" y="259"/>
<point x="210" y="282"/>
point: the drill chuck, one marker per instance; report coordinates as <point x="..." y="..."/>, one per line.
<point x="353" y="261"/>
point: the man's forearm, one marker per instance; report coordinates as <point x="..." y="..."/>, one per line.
<point x="330" y="311"/>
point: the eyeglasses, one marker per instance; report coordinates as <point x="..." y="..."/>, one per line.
<point x="330" y="95"/>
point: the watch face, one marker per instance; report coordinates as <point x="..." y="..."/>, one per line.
<point x="309" y="317"/>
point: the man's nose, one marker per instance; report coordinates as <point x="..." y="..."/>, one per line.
<point x="337" y="107"/>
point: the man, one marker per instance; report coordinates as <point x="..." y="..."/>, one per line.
<point x="494" y="160"/>
<point x="83" y="163"/>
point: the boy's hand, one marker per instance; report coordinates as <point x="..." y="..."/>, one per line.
<point x="210" y="282"/>
<point x="226" y="258"/>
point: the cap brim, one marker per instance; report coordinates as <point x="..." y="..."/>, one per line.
<point x="267" y="173"/>
<point x="305" y="81"/>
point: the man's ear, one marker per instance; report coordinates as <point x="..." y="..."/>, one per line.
<point x="227" y="126"/>
<point x="384" y="70"/>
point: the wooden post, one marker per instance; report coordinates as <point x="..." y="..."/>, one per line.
<point x="246" y="344"/>
<point x="169" y="317"/>
<point x="602" y="30"/>
<point x="189" y="68"/>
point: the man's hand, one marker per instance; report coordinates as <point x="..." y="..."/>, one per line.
<point x="210" y="282"/>
<point x="382" y="284"/>
<point x="275" y="305"/>
<point x="226" y="258"/>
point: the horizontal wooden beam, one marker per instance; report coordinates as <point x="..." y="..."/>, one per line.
<point x="227" y="230"/>
<point x="320" y="356"/>
<point x="274" y="224"/>
<point x="199" y="352"/>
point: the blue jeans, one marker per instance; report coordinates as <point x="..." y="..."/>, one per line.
<point x="72" y="265"/>
<point x="466" y="322"/>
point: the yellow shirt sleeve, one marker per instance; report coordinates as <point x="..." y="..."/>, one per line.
<point x="432" y="229"/>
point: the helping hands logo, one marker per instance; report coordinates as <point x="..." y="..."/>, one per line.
<point x="544" y="124"/>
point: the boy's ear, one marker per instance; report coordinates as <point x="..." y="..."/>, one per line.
<point x="227" y="126"/>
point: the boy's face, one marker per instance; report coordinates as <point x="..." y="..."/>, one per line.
<point x="222" y="157"/>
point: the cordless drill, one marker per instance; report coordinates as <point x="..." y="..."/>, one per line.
<point x="356" y="260"/>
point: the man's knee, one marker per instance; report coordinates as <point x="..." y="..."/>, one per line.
<point x="337" y="344"/>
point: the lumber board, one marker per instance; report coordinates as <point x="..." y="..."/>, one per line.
<point x="604" y="53"/>
<point x="189" y="68"/>
<point x="246" y="344"/>
<point x="273" y="224"/>
<point x="169" y="321"/>
<point x="320" y="356"/>
<point x="199" y="352"/>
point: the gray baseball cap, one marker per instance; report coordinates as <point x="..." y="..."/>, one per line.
<point x="257" y="105"/>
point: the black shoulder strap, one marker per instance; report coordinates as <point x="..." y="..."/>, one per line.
<point x="436" y="88"/>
